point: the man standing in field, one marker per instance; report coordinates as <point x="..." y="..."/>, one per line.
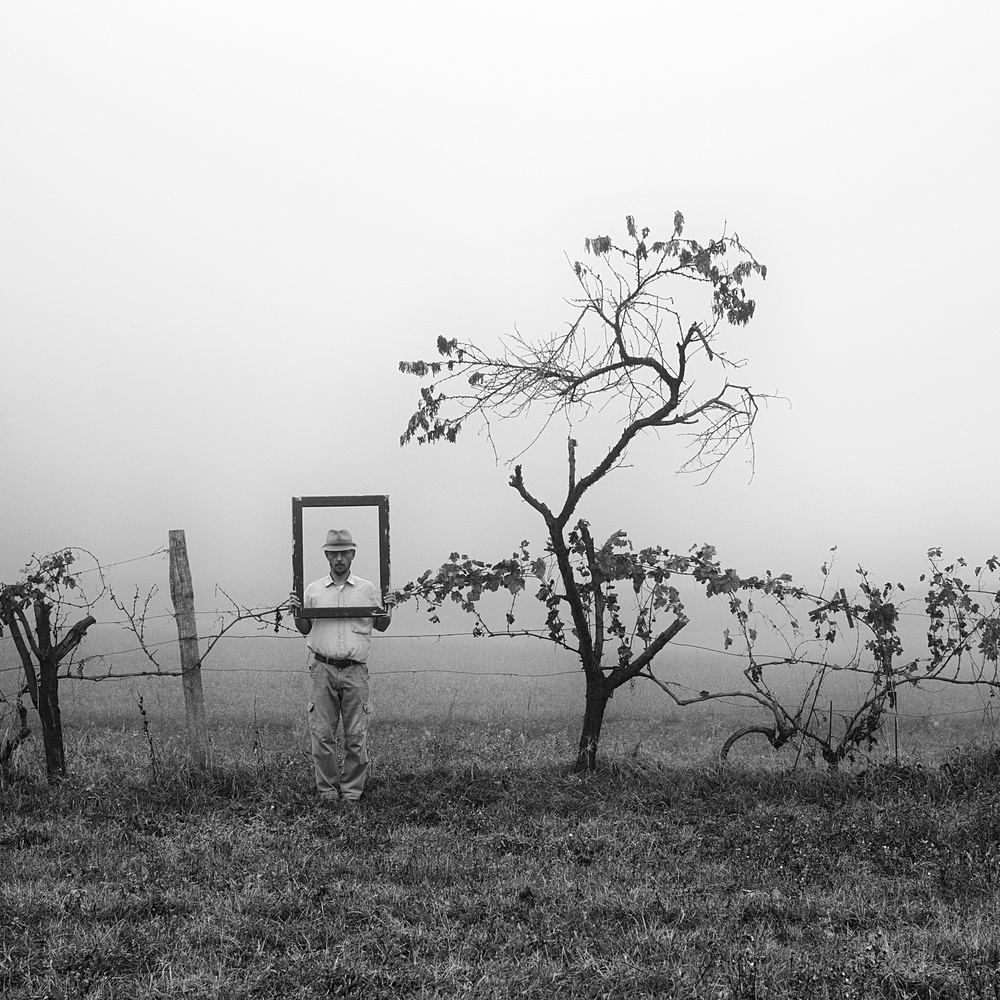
<point x="338" y="665"/>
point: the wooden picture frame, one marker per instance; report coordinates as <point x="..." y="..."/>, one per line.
<point x="298" y="584"/>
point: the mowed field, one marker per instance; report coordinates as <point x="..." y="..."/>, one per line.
<point x="478" y="865"/>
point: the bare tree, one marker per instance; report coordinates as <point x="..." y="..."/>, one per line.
<point x="45" y="589"/>
<point x="628" y="348"/>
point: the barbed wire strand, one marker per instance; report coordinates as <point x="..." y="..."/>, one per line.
<point x="294" y="635"/>
<point x="209" y="669"/>
<point x="163" y="550"/>
<point x="267" y="610"/>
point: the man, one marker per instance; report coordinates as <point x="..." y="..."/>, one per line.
<point x="338" y="665"/>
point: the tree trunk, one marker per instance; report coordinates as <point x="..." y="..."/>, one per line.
<point x="11" y="744"/>
<point x="51" y="718"/>
<point x="48" y="696"/>
<point x="43" y="686"/>
<point x="598" y="695"/>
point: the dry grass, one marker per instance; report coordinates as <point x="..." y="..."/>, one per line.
<point x="477" y="866"/>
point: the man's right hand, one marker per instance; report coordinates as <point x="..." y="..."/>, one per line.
<point x="293" y="604"/>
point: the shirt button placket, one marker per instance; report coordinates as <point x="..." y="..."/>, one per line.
<point x="341" y="626"/>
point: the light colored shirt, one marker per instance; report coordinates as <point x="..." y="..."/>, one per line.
<point x="341" y="638"/>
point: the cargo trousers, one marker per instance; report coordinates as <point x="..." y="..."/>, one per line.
<point x="340" y="695"/>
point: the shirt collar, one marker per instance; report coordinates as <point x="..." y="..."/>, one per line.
<point x="350" y="581"/>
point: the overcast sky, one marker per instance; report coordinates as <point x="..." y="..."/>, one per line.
<point x="223" y="224"/>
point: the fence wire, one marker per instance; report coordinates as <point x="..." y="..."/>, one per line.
<point x="283" y="632"/>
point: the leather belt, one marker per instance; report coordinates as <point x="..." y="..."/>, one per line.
<point x="335" y="663"/>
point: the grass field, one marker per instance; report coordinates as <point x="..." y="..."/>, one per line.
<point x="477" y="866"/>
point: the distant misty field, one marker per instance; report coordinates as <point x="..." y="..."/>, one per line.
<point x="258" y="683"/>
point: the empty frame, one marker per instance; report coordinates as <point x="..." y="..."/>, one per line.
<point x="298" y="585"/>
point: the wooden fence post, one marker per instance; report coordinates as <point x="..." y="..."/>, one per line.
<point x="182" y="595"/>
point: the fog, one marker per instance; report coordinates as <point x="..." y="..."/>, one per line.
<point x="224" y="224"/>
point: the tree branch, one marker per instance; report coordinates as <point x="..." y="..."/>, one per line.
<point x="517" y="482"/>
<point x="624" y="672"/>
<point x="30" y="678"/>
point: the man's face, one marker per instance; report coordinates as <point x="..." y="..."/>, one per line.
<point x="340" y="563"/>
